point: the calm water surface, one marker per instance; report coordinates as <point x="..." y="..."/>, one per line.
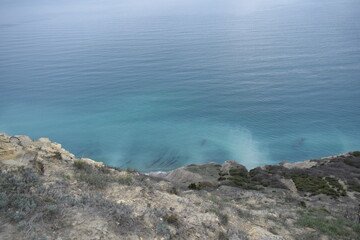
<point x="155" y="84"/>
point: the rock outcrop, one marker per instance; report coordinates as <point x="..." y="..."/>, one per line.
<point x="48" y="193"/>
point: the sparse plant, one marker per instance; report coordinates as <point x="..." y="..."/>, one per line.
<point x="132" y="170"/>
<point x="201" y="185"/>
<point x="334" y="226"/>
<point x="193" y="186"/>
<point x="173" y="190"/>
<point x="52" y="210"/>
<point x="171" y="219"/>
<point x="126" y="180"/>
<point x="244" y="214"/>
<point x="273" y="230"/>
<point x="223" y="217"/>
<point x="222" y="236"/>
<point x="81" y="165"/>
<point x="94" y="179"/>
<point x="353" y="185"/>
<point x="302" y="204"/>
<point x="356" y="153"/>
<point x="17" y="198"/>
<point x="66" y="176"/>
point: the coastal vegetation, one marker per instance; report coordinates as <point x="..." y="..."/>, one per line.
<point x="53" y="195"/>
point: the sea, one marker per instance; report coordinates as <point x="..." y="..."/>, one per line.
<point x="158" y="84"/>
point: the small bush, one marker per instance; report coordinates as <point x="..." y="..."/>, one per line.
<point x="94" y="179"/>
<point x="49" y="200"/>
<point x="81" y="165"/>
<point x="162" y="229"/>
<point x="18" y="196"/>
<point x="353" y="186"/>
<point x="125" y="180"/>
<point x="223" y="218"/>
<point x="173" y="190"/>
<point x="132" y="170"/>
<point x="356" y="153"/>
<point x="302" y="204"/>
<point x="98" y="177"/>
<point x="193" y="186"/>
<point x="352" y="162"/>
<point x="66" y="176"/>
<point x="122" y="214"/>
<point x="201" y="185"/>
<point x="222" y="236"/>
<point x="241" y="172"/>
<point x="4" y="200"/>
<point x="245" y="214"/>
<point x="52" y="210"/>
<point x="318" y="185"/>
<point x="171" y="219"/>
<point x="334" y="183"/>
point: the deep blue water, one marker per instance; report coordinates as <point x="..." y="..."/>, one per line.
<point x="155" y="84"/>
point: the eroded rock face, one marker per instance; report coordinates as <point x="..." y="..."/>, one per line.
<point x="22" y="151"/>
<point x="193" y="173"/>
<point x="333" y="176"/>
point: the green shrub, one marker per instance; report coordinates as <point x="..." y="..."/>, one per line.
<point x="19" y="196"/>
<point x="52" y="211"/>
<point x="98" y="177"/>
<point x="334" y="183"/>
<point x="241" y="172"/>
<point x="302" y="204"/>
<point x="318" y="185"/>
<point x="66" y="176"/>
<point x="126" y="180"/>
<point x="201" y="185"/>
<point x="4" y="199"/>
<point x="353" y="186"/>
<point x="193" y="186"/>
<point x="49" y="200"/>
<point x="356" y="153"/>
<point x="245" y="214"/>
<point x="94" y="179"/>
<point x="81" y="165"/>
<point x="132" y="170"/>
<point x="352" y="162"/>
<point x="337" y="228"/>
<point x="222" y="236"/>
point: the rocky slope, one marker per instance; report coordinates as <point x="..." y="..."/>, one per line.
<point x="47" y="193"/>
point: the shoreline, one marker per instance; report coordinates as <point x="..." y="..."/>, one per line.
<point x="149" y="172"/>
<point x="64" y="197"/>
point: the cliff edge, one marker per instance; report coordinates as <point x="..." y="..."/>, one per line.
<point x="48" y="193"/>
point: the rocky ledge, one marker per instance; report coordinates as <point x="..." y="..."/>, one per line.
<point x="47" y="193"/>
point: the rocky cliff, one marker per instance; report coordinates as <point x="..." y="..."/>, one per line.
<point x="47" y="193"/>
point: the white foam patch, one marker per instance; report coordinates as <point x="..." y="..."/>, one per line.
<point x="245" y="149"/>
<point x="164" y="146"/>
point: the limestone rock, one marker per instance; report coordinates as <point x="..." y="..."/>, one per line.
<point x="258" y="233"/>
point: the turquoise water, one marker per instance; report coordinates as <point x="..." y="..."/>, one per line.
<point x="155" y="84"/>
